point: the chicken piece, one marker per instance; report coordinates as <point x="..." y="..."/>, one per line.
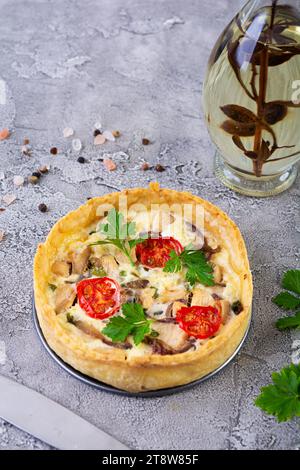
<point x="94" y="333"/>
<point x="121" y="258"/>
<point x="110" y="266"/>
<point x="218" y="274"/>
<point x="201" y="297"/>
<point x="171" y="336"/>
<point x="146" y="297"/>
<point x="211" y="242"/>
<point x="172" y="295"/>
<point x="80" y="260"/>
<point x="65" y="295"/>
<point x="61" y="268"/>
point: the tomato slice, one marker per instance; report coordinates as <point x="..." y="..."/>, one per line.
<point x="155" y="252"/>
<point x="200" y="322"/>
<point x="99" y="297"/>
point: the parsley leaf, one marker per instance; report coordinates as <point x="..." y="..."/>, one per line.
<point x="286" y="301"/>
<point x="117" y="233"/>
<point x="174" y="264"/>
<point x="198" y="268"/>
<point x="117" y="329"/>
<point x="140" y="332"/>
<point x="136" y="241"/>
<point x="282" y="398"/>
<point x="289" y="322"/>
<point x="133" y="312"/>
<point x="116" y="228"/>
<point x="291" y="280"/>
<point x="134" y="322"/>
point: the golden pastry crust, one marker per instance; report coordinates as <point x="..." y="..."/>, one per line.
<point x="137" y="373"/>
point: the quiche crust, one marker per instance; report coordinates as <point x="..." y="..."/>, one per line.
<point x="149" y="371"/>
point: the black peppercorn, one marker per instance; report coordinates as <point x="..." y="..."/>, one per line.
<point x="43" y="207"/>
<point x="37" y="174"/>
<point x="81" y="160"/>
<point x="237" y="307"/>
<point x="53" y="151"/>
<point x="160" y="168"/>
<point x="97" y="132"/>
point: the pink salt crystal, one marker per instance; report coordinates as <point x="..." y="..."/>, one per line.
<point x="99" y="139"/>
<point x="19" y="180"/>
<point x="109" y="164"/>
<point x="9" y="199"/>
<point x="4" y="134"/>
<point x="68" y="132"/>
<point x="2" y="235"/>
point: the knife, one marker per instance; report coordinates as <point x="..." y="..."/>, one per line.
<point x="49" y="421"/>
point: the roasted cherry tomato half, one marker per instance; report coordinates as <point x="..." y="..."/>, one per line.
<point x="200" y="322"/>
<point x="155" y="252"/>
<point x="99" y="297"/>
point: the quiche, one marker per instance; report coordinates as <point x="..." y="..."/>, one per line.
<point x="144" y="289"/>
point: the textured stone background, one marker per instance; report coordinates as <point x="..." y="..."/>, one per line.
<point x="76" y="62"/>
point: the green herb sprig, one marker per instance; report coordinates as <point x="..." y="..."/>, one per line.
<point x="198" y="268"/>
<point x="119" y="233"/>
<point x="134" y="322"/>
<point x="288" y="301"/>
<point x="282" y="398"/>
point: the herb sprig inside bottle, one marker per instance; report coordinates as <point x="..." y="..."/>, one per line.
<point x="120" y="234"/>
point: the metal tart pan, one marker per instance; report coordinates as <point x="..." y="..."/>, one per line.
<point x="108" y="388"/>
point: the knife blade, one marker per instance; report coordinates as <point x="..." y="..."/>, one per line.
<point x="49" y="421"/>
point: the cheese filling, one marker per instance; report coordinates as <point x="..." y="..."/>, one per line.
<point x="162" y="293"/>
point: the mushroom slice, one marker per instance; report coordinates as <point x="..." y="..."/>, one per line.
<point x="92" y="331"/>
<point x="61" y="268"/>
<point x="137" y="284"/>
<point x="171" y="336"/>
<point x="65" y="295"/>
<point x="110" y="265"/>
<point x="225" y="310"/>
<point x="80" y="260"/>
<point x="174" y="307"/>
<point x="128" y="296"/>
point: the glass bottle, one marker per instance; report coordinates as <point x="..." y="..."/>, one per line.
<point x="251" y="98"/>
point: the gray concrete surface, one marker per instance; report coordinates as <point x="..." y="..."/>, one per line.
<point x="72" y="63"/>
